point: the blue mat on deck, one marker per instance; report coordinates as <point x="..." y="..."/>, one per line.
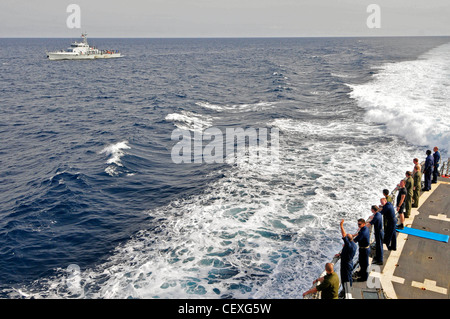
<point x="424" y="234"/>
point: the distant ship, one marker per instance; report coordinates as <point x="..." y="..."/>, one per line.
<point x="83" y="51"/>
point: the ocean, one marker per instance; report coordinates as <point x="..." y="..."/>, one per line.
<point x="93" y="205"/>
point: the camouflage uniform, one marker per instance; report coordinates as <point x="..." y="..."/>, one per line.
<point x="417" y="188"/>
<point x="409" y="185"/>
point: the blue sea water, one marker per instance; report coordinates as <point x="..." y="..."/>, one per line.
<point x="93" y="206"/>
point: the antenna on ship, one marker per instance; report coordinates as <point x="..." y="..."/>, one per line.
<point x="84" y="36"/>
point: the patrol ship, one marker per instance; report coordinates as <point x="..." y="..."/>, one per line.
<point x="418" y="268"/>
<point x="83" y="51"/>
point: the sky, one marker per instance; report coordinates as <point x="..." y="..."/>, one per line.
<point x="225" y="18"/>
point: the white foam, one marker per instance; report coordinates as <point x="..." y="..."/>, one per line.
<point x="115" y="153"/>
<point x="411" y="98"/>
<point x="261" y="231"/>
<point x="320" y="92"/>
<point x="236" y="108"/>
<point x="210" y="106"/>
<point x="341" y="75"/>
<point x="190" y="121"/>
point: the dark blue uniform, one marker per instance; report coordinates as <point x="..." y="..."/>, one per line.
<point x="377" y="223"/>
<point x="428" y="169"/>
<point x="390" y="236"/>
<point x="363" y="240"/>
<point x="436" y="158"/>
<point x="347" y="255"/>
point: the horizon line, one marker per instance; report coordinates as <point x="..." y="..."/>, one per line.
<point x="233" y="37"/>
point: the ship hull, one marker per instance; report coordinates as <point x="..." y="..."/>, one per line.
<point x="63" y="56"/>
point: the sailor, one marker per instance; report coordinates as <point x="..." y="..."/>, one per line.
<point x="377" y="223"/>
<point x="416" y="162"/>
<point x="390" y="200"/>
<point x="386" y="194"/>
<point x="437" y="158"/>
<point x="329" y="284"/>
<point x="388" y="212"/>
<point x="417" y="185"/>
<point x="409" y="184"/>
<point x="401" y="203"/>
<point x="428" y="170"/>
<point x="363" y="240"/>
<point x="347" y="254"/>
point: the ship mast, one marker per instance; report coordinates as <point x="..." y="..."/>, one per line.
<point x="84" y="36"/>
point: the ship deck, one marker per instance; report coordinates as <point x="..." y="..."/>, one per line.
<point x="419" y="268"/>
